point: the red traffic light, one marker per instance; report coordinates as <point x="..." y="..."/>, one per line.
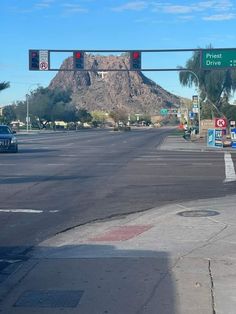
<point x="78" y="60"/>
<point x="135" y="60"/>
<point x="78" y="55"/>
<point x="34" y="54"/>
<point x="136" y="54"/>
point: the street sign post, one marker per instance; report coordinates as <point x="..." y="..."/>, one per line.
<point x="195" y="109"/>
<point x="218" y="58"/>
<point x="195" y="99"/>
<point x="191" y="115"/>
<point x="43" y="60"/>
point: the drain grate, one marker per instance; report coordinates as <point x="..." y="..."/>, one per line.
<point x="49" y="298"/>
<point x="198" y="213"/>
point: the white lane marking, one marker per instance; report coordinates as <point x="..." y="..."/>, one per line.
<point x="55" y="164"/>
<point x="27" y="211"/>
<point x="31" y="211"/>
<point x="229" y="168"/>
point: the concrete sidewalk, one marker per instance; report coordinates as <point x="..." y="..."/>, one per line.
<point x="177" y="259"/>
<point x="178" y="143"/>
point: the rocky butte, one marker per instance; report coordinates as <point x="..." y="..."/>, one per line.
<point x="104" y="90"/>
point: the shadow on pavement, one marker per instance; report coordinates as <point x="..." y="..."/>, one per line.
<point x="108" y="281"/>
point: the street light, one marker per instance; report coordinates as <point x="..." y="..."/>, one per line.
<point x="27" y="106"/>
<point x="27" y="113"/>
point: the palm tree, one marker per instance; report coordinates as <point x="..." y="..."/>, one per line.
<point x="4" y="85"/>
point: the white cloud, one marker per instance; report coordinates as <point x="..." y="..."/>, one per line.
<point x="220" y="17"/>
<point x="222" y="5"/>
<point x="214" y="5"/>
<point x="44" y="4"/>
<point x="186" y="17"/>
<point x="73" y="8"/>
<point x="178" y="9"/>
<point x="131" y="6"/>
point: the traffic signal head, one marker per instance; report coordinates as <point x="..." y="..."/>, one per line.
<point x="34" y="59"/>
<point x="78" y="60"/>
<point x="135" y="60"/>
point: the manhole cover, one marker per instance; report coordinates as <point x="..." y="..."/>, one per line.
<point x="198" y="213"/>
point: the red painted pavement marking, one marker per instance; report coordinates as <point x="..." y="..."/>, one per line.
<point x="122" y="233"/>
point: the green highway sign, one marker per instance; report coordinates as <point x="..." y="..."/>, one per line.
<point x="164" y="112"/>
<point x="218" y="58"/>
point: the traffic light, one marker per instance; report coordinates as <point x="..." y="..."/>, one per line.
<point x="135" y="60"/>
<point x="78" y="60"/>
<point x="34" y="59"/>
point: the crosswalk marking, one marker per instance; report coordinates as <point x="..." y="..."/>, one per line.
<point x="229" y="168"/>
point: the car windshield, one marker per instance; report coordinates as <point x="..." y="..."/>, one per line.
<point x="4" y="130"/>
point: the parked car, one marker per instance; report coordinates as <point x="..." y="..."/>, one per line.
<point x="8" y="141"/>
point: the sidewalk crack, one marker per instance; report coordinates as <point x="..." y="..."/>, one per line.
<point x="212" y="287"/>
<point x="209" y="241"/>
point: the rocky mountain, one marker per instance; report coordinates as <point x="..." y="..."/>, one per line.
<point x="107" y="90"/>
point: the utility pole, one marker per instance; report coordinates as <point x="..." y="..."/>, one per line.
<point x="198" y="94"/>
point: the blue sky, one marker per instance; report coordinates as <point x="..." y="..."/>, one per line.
<point x="109" y="24"/>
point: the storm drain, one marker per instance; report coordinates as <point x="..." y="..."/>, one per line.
<point x="49" y="298"/>
<point x="198" y="213"/>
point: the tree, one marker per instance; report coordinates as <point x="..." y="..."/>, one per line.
<point x="99" y="117"/>
<point x="215" y="86"/>
<point x="8" y="114"/>
<point x="4" y="85"/>
<point x="20" y="110"/>
<point x="119" y="115"/>
<point x="49" y="105"/>
<point x="84" y="116"/>
<point x="70" y="113"/>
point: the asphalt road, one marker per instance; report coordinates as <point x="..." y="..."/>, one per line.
<point x="61" y="180"/>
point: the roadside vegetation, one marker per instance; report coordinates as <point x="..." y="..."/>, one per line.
<point x="54" y="108"/>
<point x="216" y="88"/>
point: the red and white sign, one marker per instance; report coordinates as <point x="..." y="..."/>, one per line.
<point x="220" y="123"/>
<point x="43" y="60"/>
<point x="43" y="66"/>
